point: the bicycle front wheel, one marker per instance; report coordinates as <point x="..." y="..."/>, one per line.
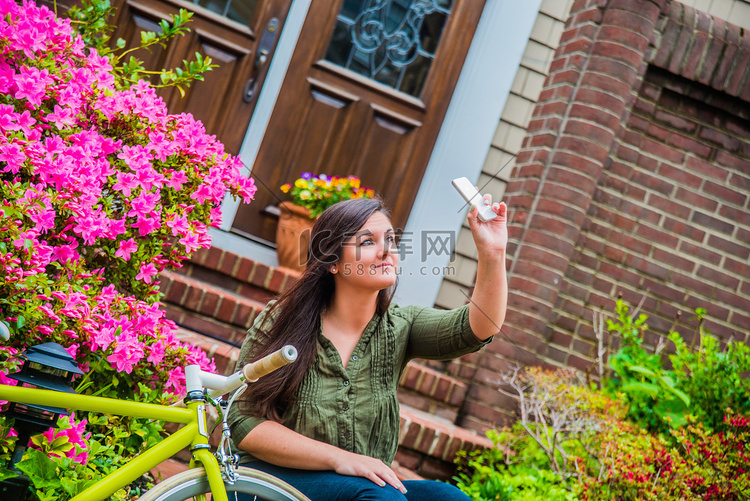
<point x="194" y="484"/>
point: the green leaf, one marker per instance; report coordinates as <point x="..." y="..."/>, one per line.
<point x="650" y="389"/>
<point x="6" y="474"/>
<point x="69" y="485"/>
<point x="642" y="370"/>
<point x="667" y="381"/>
<point x="680" y="395"/>
<point x="40" y="469"/>
<point x="147" y="37"/>
<point x="674" y="410"/>
<point x="61" y="444"/>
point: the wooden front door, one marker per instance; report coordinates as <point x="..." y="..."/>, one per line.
<point x="365" y="94"/>
<point x="238" y="35"/>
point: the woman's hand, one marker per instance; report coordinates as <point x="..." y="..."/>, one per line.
<point x="357" y="465"/>
<point x="490" y="237"/>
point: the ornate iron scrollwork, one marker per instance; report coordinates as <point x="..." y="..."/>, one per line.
<point x="390" y="41"/>
<point x="399" y="44"/>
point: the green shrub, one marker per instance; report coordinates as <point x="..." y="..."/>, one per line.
<point x="702" y="381"/>
<point x="521" y="474"/>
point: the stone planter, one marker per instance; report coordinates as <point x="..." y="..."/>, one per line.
<point x="293" y="236"/>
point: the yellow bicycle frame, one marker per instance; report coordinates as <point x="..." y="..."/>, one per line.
<point x="193" y="434"/>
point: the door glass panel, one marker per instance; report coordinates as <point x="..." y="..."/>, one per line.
<point x="236" y="10"/>
<point x="390" y="41"/>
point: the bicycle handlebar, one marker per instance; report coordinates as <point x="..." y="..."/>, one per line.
<point x="255" y="370"/>
<point x="196" y="379"/>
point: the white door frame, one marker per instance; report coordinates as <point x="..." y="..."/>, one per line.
<point x="460" y="149"/>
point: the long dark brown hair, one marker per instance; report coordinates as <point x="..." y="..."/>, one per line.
<point x="295" y="318"/>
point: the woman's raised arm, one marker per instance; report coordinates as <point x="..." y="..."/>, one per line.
<point x="490" y="298"/>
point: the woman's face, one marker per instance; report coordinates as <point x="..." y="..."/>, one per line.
<point x="369" y="259"/>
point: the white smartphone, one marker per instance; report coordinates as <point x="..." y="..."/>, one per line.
<point x="472" y="196"/>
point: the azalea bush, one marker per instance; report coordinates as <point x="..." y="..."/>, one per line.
<point x="317" y="193"/>
<point x="100" y="190"/>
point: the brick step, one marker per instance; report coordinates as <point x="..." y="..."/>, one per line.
<point x="224" y="354"/>
<point x="431" y="391"/>
<point x="428" y="443"/>
<point x="207" y="308"/>
<point x="238" y="274"/>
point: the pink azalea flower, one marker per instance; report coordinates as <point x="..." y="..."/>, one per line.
<point x="102" y="338"/>
<point x="125" y="183"/>
<point x="116" y="227"/>
<point x="45" y="329"/>
<point x="14" y="157"/>
<point x="148" y="178"/>
<point x="147" y="271"/>
<point x="216" y="217"/>
<point x="61" y="117"/>
<point x="109" y="293"/>
<point x="143" y="204"/>
<point x="177" y="180"/>
<point x="126" y="248"/>
<point x="73" y="350"/>
<point x="136" y="157"/>
<point x="146" y="225"/>
<point x="45" y="220"/>
<point x="65" y="253"/>
<point x="32" y="84"/>
<point x="25" y="121"/>
<point x="179" y="225"/>
<point x="25" y="236"/>
<point x="160" y="145"/>
<point x="176" y="380"/>
<point x="191" y="241"/>
<point x="128" y="352"/>
<point x="156" y="352"/>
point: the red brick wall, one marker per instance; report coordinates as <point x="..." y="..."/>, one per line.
<point x="634" y="179"/>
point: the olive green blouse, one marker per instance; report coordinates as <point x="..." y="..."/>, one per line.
<point x="355" y="408"/>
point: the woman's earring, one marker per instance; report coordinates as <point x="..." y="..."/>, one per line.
<point x="333" y="270"/>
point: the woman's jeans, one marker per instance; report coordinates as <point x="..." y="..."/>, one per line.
<point x="330" y="486"/>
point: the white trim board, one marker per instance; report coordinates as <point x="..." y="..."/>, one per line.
<point x="463" y="142"/>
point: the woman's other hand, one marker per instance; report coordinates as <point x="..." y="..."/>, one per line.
<point x="357" y="465"/>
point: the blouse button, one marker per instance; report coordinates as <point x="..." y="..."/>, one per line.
<point x="346" y="407"/>
<point x="346" y="383"/>
<point x="355" y="357"/>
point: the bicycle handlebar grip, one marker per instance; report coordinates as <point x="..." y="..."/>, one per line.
<point x="269" y="363"/>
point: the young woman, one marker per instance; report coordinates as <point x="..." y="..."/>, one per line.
<point x="328" y="423"/>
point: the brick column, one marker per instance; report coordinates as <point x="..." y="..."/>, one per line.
<point x="592" y="83"/>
